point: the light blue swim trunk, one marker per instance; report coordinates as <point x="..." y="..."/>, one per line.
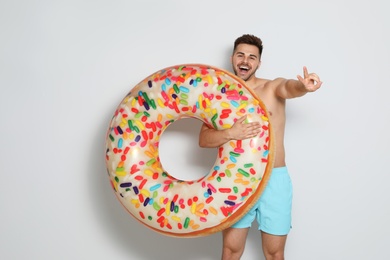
<point x="273" y="209"/>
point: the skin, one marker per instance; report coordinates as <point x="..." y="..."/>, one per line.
<point x="245" y="62"/>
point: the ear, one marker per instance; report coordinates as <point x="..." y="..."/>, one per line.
<point x="258" y="66"/>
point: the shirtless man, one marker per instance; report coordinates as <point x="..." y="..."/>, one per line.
<point x="273" y="210"/>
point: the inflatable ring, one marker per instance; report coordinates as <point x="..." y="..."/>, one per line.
<point x="175" y="207"/>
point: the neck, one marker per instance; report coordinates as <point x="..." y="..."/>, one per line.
<point x="251" y="82"/>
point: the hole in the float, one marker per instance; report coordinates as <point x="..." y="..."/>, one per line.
<point x="180" y="153"/>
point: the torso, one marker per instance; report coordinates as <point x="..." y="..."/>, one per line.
<point x="265" y="90"/>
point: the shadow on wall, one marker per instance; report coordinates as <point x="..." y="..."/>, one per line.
<point x="127" y="235"/>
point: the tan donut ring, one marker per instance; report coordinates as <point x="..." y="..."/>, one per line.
<point x="187" y="208"/>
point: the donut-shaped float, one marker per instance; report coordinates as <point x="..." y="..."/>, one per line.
<point x="158" y="200"/>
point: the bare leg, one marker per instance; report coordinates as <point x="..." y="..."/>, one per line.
<point x="273" y="246"/>
<point x="234" y="243"/>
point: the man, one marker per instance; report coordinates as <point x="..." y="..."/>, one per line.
<point x="273" y="210"/>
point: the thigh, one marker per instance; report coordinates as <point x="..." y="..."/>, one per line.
<point x="235" y="238"/>
<point x="272" y="244"/>
<point x="234" y="242"/>
<point x="276" y="204"/>
<point x="247" y="219"/>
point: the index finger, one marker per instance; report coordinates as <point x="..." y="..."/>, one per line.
<point x="305" y="72"/>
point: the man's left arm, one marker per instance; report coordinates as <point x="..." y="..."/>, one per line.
<point x="291" y="88"/>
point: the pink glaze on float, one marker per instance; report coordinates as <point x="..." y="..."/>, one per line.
<point x="149" y="193"/>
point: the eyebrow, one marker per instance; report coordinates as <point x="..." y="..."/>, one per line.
<point x="251" y="55"/>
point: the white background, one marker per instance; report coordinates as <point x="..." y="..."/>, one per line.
<point x="66" y="65"/>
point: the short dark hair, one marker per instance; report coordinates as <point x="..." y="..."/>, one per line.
<point x="249" y="39"/>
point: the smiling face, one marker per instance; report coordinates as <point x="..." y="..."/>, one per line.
<point x="245" y="61"/>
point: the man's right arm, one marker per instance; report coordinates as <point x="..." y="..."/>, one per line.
<point x="211" y="138"/>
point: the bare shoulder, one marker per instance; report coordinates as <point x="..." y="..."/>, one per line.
<point x="276" y="82"/>
<point x="261" y="83"/>
<point x="275" y="85"/>
<point x="267" y="85"/>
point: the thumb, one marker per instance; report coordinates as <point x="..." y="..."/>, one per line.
<point x="300" y="78"/>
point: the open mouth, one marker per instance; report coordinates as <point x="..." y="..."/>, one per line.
<point x="243" y="69"/>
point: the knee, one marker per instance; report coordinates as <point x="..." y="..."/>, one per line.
<point x="233" y="243"/>
<point x="274" y="255"/>
<point x="230" y="252"/>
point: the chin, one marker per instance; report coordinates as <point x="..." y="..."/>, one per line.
<point x="244" y="78"/>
